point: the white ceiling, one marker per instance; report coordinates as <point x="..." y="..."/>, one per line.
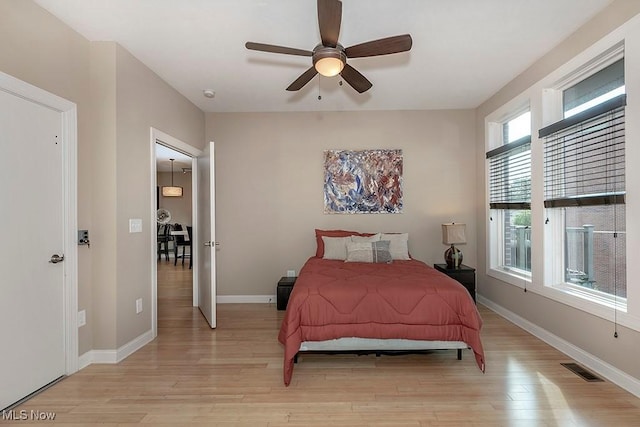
<point x="164" y="156"/>
<point x="463" y="50"/>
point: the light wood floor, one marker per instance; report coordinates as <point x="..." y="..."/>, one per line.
<point x="192" y="375"/>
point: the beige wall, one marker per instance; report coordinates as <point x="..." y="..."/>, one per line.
<point x="143" y="101"/>
<point x="587" y="332"/>
<point x="118" y="100"/>
<point x="101" y="310"/>
<point x="269" y="186"/>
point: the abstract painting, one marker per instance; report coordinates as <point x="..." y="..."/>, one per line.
<point x="368" y="181"/>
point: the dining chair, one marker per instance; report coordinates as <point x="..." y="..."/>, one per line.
<point x="181" y="242"/>
<point x="164" y="237"/>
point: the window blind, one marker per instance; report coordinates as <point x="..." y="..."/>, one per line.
<point x="584" y="157"/>
<point x="605" y="80"/>
<point x="510" y="175"/>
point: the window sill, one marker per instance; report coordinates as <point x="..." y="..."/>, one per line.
<point x="599" y="298"/>
<point x="604" y="307"/>
<point x="517" y="278"/>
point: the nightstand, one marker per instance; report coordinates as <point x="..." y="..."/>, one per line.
<point x="463" y="274"/>
<point x="285" y="286"/>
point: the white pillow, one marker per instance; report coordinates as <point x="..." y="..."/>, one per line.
<point x="365" y="239"/>
<point x="399" y="246"/>
<point x="376" y="252"/>
<point x="335" y="247"/>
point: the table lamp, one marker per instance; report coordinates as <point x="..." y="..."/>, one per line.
<point x="453" y="234"/>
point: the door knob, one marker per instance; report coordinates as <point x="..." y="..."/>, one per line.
<point x="55" y="258"/>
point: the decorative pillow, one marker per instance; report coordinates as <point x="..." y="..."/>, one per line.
<point x="332" y="233"/>
<point x="399" y="246"/>
<point x="366" y="239"/>
<point x="376" y="252"/>
<point x="335" y="247"/>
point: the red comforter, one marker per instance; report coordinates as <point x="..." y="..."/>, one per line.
<point x="404" y="299"/>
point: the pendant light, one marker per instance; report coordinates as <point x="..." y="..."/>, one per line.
<point x="172" y="191"/>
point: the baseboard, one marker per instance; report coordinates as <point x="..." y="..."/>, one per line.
<point x="245" y="299"/>
<point x="97" y="356"/>
<point x="604" y="369"/>
<point x="85" y="360"/>
<point x="115" y="356"/>
<point x="134" y="345"/>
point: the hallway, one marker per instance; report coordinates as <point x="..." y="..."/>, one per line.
<point x="175" y="301"/>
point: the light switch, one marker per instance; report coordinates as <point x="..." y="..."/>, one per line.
<point x="82" y="318"/>
<point x="135" y="225"/>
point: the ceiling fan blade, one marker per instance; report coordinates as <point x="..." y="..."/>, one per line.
<point x="355" y="79"/>
<point x="384" y="46"/>
<point x="329" y="19"/>
<point x="277" y="49"/>
<point x="303" y="79"/>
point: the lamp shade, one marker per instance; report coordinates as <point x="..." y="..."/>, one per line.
<point x="453" y="233"/>
<point x="172" y="191"/>
<point x="329" y="61"/>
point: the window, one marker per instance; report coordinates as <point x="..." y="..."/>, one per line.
<point x="510" y="196"/>
<point x="584" y="183"/>
<point x="594" y="90"/>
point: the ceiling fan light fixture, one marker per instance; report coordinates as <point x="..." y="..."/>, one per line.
<point x="329" y="61"/>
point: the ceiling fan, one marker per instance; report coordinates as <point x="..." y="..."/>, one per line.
<point x="329" y="57"/>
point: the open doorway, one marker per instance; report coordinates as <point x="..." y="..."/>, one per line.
<point x="175" y="219"/>
<point x="174" y="277"/>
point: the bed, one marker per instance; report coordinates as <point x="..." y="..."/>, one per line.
<point x="341" y="304"/>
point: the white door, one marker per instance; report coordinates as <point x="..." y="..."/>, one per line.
<point x="32" y="214"/>
<point x="206" y="235"/>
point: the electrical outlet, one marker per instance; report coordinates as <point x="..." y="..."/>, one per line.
<point x="82" y="318"/>
<point x="139" y="306"/>
<point x="291" y="273"/>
